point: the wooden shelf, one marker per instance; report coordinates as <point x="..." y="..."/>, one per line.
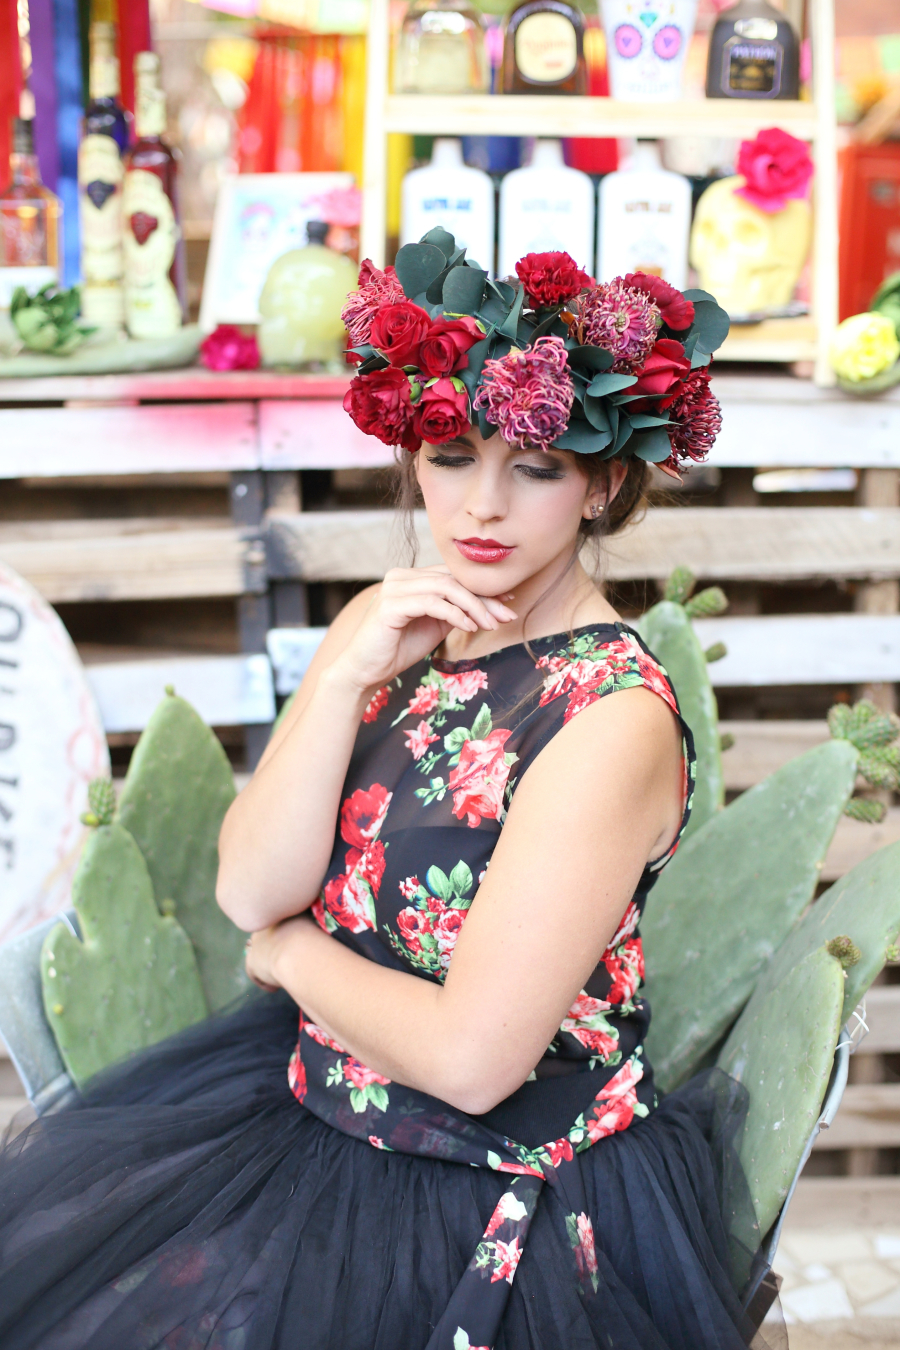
<point x="560" y="115"/>
<point x="771" y="340"/>
<point x="192" y="384"/>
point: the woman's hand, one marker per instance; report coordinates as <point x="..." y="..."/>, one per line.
<point x="265" y="948"/>
<point x="411" y="614"/>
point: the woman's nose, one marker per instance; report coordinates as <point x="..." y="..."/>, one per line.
<point x="487" y="500"/>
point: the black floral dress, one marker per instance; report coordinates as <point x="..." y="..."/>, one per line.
<point x="197" y="1199"/>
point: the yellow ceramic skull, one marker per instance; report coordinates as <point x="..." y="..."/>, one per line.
<point x="749" y="259"/>
<point x="300" y="307"/>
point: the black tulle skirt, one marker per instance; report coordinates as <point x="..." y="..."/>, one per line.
<point x="190" y="1201"/>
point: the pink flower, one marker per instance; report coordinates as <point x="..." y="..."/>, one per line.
<point x="586" y="1022"/>
<point x="227" y="348"/>
<point x="375" y="1141"/>
<point x="409" y="888"/>
<point x="321" y="1037"/>
<point x="519" y="1169"/>
<point x="425" y="699"/>
<point x="465" y="684"/>
<point x="527" y="395"/>
<point x="350" y="898"/>
<point x="613" y="1108"/>
<point x="585" y="1252"/>
<point x="507" y="1256"/>
<point x="376" y="703"/>
<point x="677" y="313"/>
<point x="626" y="969"/>
<point x="361" y="1076"/>
<point x="439" y="922"/>
<point x="776" y="167"/>
<point x="363" y="813"/>
<point x="695" y="418"/>
<point x="297" y="1075"/>
<point x="560" y="1150"/>
<point x="376" y="288"/>
<point x="509" y="1210"/>
<point x="622" y="320"/>
<point x="479" y="779"/>
<point x="342" y="206"/>
<point x="419" y="740"/>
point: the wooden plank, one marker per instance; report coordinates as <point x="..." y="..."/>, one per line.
<point x="883" y="1021"/>
<point x="315" y="434"/>
<point x="762" y="747"/>
<point x="869" y="1117"/>
<point x="735" y="543"/>
<point x="560" y="115"/>
<point x="133" y="559"/>
<point x="225" y="690"/>
<point x="783" y="426"/>
<point x="160" y="438"/>
<point x="187" y="385"/>
<point x="786" y="649"/>
<point x="854" y="841"/>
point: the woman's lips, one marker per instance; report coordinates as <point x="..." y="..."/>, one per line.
<point x="483" y="550"/>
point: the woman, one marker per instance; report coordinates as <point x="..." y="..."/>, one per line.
<point x="442" y="860"/>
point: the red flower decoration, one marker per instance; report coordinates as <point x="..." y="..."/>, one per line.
<point x="397" y="331"/>
<point x="380" y="404"/>
<point x="676" y="312"/>
<point x="551" y="278"/>
<point x="227" y="348"/>
<point x="443" y="349"/>
<point x="376" y="288"/>
<point x="662" y="374"/>
<point x="776" y="167"/>
<point x="695" y="419"/>
<point x="442" y="412"/>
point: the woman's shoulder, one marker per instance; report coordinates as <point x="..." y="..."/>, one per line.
<point x="594" y="661"/>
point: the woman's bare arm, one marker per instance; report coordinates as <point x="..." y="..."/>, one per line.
<point x="602" y="798"/>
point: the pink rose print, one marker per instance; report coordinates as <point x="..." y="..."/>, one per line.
<point x="626" y="967"/>
<point x="375" y="1141"/>
<point x="297" y="1075"/>
<point x="409" y="888"/>
<point x="625" y="929"/>
<point x="479" y="779"/>
<point x="614" y="1108"/>
<point x="559" y="1151"/>
<point x="509" y="1208"/>
<point x="425" y="699"/>
<point x="585" y="1021"/>
<point x="464" y="685"/>
<point x="419" y="740"/>
<point x="360" y="1076"/>
<point x="321" y="1037"/>
<point x="581" y="1235"/>
<point x="376" y="703"/>
<point x="508" y="1257"/>
<point x="350" y="899"/>
<point x="362" y="815"/>
<point x="439" y="923"/>
<point x="618" y="664"/>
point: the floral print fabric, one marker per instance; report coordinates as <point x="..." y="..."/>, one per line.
<point x="435" y="767"/>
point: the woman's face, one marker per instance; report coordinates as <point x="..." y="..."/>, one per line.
<point x="500" y="516"/>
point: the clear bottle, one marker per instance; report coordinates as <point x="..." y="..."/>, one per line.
<point x="440" y="49"/>
<point x="154" y="249"/>
<point x="30" y="217"/>
<point x="100" y="177"/>
<point x="753" y="53"/>
<point x="543" y="51"/>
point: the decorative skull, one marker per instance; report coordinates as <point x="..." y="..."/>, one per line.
<point x="749" y="259"/>
<point x="300" y="307"/>
<point x="646" y="46"/>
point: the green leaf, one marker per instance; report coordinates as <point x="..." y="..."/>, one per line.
<point x="623" y="434"/>
<point x="596" y="413"/>
<point x="610" y="383"/>
<point x="695" y="295"/>
<point x="378" y="1096"/>
<point x="641" y="421"/>
<point x="580" y="437"/>
<point x="652" y="445"/>
<point x="510" y="325"/>
<point x="477" y="356"/>
<point x="358" y="1100"/>
<point x="461" y="878"/>
<point x="463" y="289"/>
<point x="481" y="727"/>
<point x="435" y="291"/>
<point x="485" y="428"/>
<point x="455" y="740"/>
<point x="438" y="883"/>
<point x="710" y="325"/>
<point x="594" y="358"/>
<point x="441" y="239"/>
<point x="700" y="358"/>
<point x="417" y="266"/>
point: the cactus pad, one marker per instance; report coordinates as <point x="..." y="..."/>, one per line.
<point x="101" y="801"/>
<point x="862" y="908"/>
<point x="866" y="809"/>
<point x="706" y="603"/>
<point x="782" y="1049"/>
<point x="668" y="633"/>
<point x="133" y="980"/>
<point x="178" y="787"/>
<point x="679" y="586"/>
<point x="729" y="898"/>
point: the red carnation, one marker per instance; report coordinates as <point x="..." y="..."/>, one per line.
<point x="442" y="412"/>
<point x="663" y="373"/>
<point x="397" y="331"/>
<point x="551" y="278"/>
<point x="443" y="349"/>
<point x="381" y="405"/>
<point x="227" y="348"/>
<point x="677" y="313"/>
<point x="695" y="418"/>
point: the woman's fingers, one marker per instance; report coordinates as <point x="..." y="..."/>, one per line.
<point x="498" y="609"/>
<point x="422" y="581"/>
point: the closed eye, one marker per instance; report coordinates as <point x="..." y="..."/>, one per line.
<point x="449" y="461"/>
<point x="540" y="475"/>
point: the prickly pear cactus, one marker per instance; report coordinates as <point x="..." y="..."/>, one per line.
<point x="859" y="916"/>
<point x="729" y="898"/>
<point x="178" y="788"/>
<point x="132" y="979"/>
<point x="667" y="631"/>
<point x="782" y="1049"/>
<point x="872" y="733"/>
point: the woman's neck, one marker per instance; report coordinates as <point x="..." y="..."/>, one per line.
<point x="552" y="601"/>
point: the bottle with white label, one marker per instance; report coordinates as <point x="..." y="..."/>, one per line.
<point x="154" y="252"/>
<point x="447" y="192"/>
<point x="100" y="175"/>
<point x="645" y="220"/>
<point x="546" y="207"/>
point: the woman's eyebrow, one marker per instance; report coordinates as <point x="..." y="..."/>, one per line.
<point x="463" y="441"/>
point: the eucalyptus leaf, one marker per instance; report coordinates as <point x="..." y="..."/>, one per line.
<point x="623" y="435"/>
<point x="417" y="265"/>
<point x="503" y="290"/>
<point x="580" y="437"/>
<point x="695" y="295"/>
<point x="436" y="289"/>
<point x="595" y="358"/>
<point x="640" y="421"/>
<point x="710" y="325"/>
<point x="548" y="325"/>
<point x="699" y="358"/>
<point x="441" y="239"/>
<point x="485" y="427"/>
<point x="596" y="414"/>
<point x="609" y="382"/>
<point x="510" y="325"/>
<point x="464" y="289"/>
<point x="652" y="445"/>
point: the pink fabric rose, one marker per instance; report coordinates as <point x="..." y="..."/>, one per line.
<point x="425" y="699"/>
<point x="360" y="1075"/>
<point x="227" y="348"/>
<point x="776" y="167"/>
<point x="479" y="779"/>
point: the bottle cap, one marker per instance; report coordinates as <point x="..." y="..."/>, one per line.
<point x="23" y="136"/>
<point x="316" y="231"/>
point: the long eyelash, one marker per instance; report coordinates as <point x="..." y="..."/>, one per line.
<point x="448" y="461"/>
<point x="541" y="475"/>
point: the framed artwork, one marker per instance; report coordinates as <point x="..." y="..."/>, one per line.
<point x="259" y="216"/>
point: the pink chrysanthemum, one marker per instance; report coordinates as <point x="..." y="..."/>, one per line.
<point x="528" y="395"/>
<point x="622" y="320"/>
<point x="376" y="288"/>
<point x="695" y="418"/>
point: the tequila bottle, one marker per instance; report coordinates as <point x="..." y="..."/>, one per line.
<point x="29" y="221"/>
<point x="543" y="51"/>
<point x="440" y="49"/>
<point x="100" y="176"/>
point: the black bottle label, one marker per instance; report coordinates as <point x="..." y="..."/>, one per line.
<point x="752" y="69"/>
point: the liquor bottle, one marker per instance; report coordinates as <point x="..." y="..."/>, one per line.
<point x="447" y="192"/>
<point x="440" y="49"/>
<point x="753" y="53"/>
<point x="545" y="206"/>
<point x="543" y="51"/>
<point x="300" y="305"/>
<point x="154" y="250"/>
<point x="100" y="175"/>
<point x="29" y="221"/>
<point x="645" y="218"/>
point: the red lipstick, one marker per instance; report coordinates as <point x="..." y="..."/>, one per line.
<point x="484" y="550"/>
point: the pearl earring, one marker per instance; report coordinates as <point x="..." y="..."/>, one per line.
<point x="596" y="512"/>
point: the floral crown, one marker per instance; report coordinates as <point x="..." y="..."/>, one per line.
<point x="618" y="369"/>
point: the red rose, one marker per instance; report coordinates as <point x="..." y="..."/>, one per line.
<point x="443" y="349"/>
<point x="677" y="313"/>
<point x="550" y="278"/>
<point x="397" y="331"/>
<point x="380" y="405"/>
<point x="662" y="374"/>
<point x="227" y="348"/>
<point x="362" y="815"/>
<point x="776" y="167"/>
<point x="442" y="412"/>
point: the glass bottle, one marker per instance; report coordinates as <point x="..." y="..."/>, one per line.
<point x="753" y="53"/>
<point x="100" y="175"/>
<point x="543" y="51"/>
<point x="154" y="249"/>
<point x="300" y="305"/>
<point x="440" y="49"/>
<point x="29" y="221"/>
